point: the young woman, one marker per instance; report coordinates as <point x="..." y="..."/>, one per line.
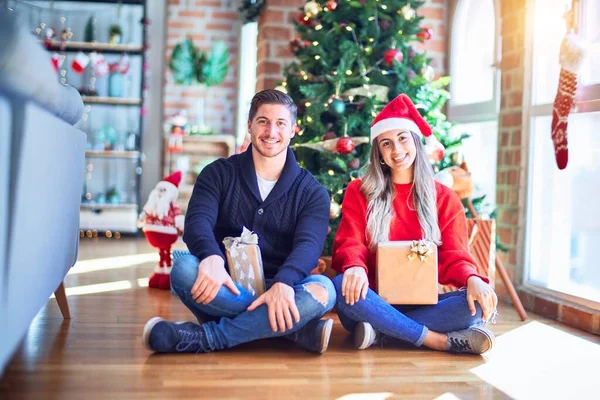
<point x="398" y="199"/>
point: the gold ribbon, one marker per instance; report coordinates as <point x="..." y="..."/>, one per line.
<point x="421" y="249"/>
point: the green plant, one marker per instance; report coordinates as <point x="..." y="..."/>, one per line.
<point x="189" y="65"/>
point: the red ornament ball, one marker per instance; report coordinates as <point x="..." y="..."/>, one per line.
<point x="354" y="164"/>
<point x="331" y="5"/>
<point x="392" y="54"/>
<point x="304" y="19"/>
<point x="345" y="145"/>
<point x="425" y="34"/>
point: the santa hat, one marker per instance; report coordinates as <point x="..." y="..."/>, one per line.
<point x="174" y="178"/>
<point x="400" y="113"/>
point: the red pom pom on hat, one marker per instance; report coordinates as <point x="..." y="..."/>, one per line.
<point x="400" y="113"/>
<point x="174" y="178"/>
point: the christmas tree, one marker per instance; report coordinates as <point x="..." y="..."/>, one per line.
<point x="352" y="58"/>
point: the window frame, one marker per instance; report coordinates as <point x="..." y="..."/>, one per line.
<point x="481" y="111"/>
<point x="587" y="100"/>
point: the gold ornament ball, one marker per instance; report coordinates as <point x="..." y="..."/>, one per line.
<point x="427" y="72"/>
<point x="334" y="210"/>
<point x="311" y="8"/>
<point x="407" y="12"/>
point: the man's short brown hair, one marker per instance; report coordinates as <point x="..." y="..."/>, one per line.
<point x="272" y="96"/>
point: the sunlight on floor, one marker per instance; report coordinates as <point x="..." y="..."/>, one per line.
<point x="542" y="362"/>
<point x="101" y="264"/>
<point x="447" y="396"/>
<point x="366" y="396"/>
<point x="105" y="287"/>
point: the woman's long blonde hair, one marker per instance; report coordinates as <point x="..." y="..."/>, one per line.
<point x="378" y="189"/>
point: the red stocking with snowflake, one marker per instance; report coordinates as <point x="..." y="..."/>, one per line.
<point x="572" y="53"/>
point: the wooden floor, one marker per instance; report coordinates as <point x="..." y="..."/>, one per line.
<point x="98" y="354"/>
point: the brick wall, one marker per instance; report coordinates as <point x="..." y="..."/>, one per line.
<point x="276" y="29"/>
<point x="204" y="21"/>
<point x="511" y="188"/>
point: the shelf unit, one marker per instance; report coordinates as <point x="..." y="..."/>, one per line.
<point x="198" y="150"/>
<point x="105" y="48"/>
<point x="112" y="101"/>
<point x="111" y="196"/>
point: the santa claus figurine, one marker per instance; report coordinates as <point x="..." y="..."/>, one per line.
<point x="162" y="222"/>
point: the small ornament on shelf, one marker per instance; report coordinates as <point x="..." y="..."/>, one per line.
<point x="57" y="61"/>
<point x="99" y="64"/>
<point x="178" y="125"/>
<point x="80" y="62"/>
<point x="49" y="34"/>
<point x="114" y="34"/>
<point x="90" y="30"/>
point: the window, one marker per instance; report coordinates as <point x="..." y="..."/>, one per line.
<point x="563" y="225"/>
<point x="474" y="88"/>
<point x="247" y="77"/>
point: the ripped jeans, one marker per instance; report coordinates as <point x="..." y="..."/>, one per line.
<point x="225" y="319"/>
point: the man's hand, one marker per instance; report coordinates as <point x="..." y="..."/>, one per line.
<point x="211" y="276"/>
<point x="478" y="290"/>
<point x="355" y="285"/>
<point x="281" y="304"/>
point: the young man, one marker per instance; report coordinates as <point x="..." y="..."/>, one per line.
<point x="266" y="191"/>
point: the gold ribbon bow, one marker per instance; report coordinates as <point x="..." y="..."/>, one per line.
<point x="421" y="249"/>
<point x="247" y="237"/>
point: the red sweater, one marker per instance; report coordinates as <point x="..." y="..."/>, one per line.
<point x="455" y="263"/>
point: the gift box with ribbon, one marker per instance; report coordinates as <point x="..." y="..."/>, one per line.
<point x="407" y="272"/>
<point x="245" y="262"/>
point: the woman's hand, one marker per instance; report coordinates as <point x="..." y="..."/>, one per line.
<point x="355" y="285"/>
<point x="478" y="290"/>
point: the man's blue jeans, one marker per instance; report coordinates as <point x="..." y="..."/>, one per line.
<point x="225" y="319"/>
<point x="408" y="323"/>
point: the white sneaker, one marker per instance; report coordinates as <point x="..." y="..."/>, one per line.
<point x="365" y="336"/>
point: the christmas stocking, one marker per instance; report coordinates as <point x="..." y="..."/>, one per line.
<point x="80" y="62"/>
<point x="572" y="53"/>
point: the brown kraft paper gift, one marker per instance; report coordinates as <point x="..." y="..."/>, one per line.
<point x="407" y="272"/>
<point x="245" y="262"/>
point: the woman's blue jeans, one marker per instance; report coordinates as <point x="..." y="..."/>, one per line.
<point x="408" y="323"/>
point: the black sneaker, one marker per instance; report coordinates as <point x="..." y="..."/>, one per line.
<point x="476" y="340"/>
<point x="365" y="336"/>
<point x="314" y="336"/>
<point x="174" y="337"/>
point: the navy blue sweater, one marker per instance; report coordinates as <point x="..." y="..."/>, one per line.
<point x="291" y="223"/>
